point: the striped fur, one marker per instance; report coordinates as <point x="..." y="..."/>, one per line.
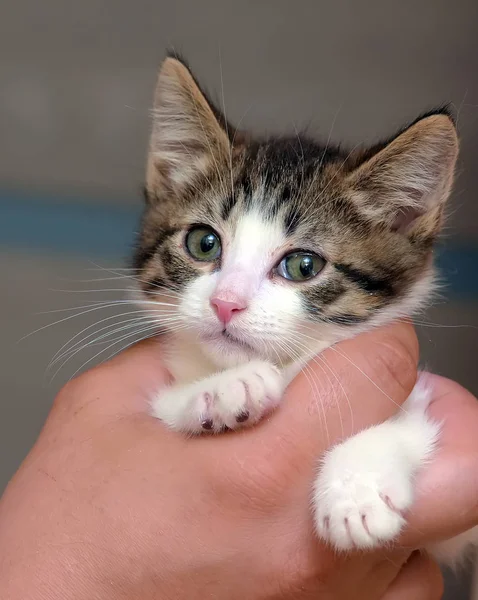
<point x="373" y="214"/>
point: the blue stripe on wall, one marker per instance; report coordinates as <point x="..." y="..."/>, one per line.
<point x="67" y="228"/>
<point x="102" y="232"/>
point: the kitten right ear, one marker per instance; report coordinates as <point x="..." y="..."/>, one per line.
<point x="405" y="183"/>
<point x="187" y="138"/>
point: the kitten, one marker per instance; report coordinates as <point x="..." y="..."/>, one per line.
<point x="257" y="254"/>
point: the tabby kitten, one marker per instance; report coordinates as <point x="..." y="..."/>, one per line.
<point x="258" y="254"/>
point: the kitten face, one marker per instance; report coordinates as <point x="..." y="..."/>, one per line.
<point x="278" y="248"/>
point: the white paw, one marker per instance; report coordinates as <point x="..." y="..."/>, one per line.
<point x="231" y="399"/>
<point x="358" y="502"/>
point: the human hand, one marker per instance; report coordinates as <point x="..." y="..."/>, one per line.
<point x="109" y="503"/>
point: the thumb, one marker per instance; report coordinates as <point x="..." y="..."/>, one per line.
<point x="447" y="489"/>
<point x="353" y="385"/>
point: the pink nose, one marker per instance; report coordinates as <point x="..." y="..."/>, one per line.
<point x="226" y="310"/>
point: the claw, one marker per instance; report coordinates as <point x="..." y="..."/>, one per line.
<point x="207" y="424"/>
<point x="242" y="416"/>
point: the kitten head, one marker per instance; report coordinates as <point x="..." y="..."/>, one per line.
<point x="276" y="247"/>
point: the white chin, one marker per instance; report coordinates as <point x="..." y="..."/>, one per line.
<point x="226" y="352"/>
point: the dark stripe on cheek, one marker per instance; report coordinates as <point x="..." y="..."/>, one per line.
<point x="145" y="252"/>
<point x="315" y="300"/>
<point x="155" y="285"/>
<point x="142" y="255"/>
<point x="365" y="281"/>
<point x="166" y="234"/>
<point x="320" y="296"/>
<point x="347" y="319"/>
<point x="178" y="269"/>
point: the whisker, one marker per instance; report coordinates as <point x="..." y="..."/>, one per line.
<point x="107" y="303"/>
<point x="107" y="348"/>
<point x="116" y="290"/>
<point x="158" y="318"/>
<point x="95" y="279"/>
<point x="311" y="379"/>
<point x="90" y="309"/>
<point x="100" y="306"/>
<point x="138" y="326"/>
<point x="341" y="353"/>
<point x="324" y="361"/>
<point x="322" y="366"/>
<point x="83" y="343"/>
<point x="226" y="124"/>
<point x="337" y="112"/>
<point x="100" y="268"/>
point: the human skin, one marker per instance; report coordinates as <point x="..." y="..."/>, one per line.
<point x="111" y="504"/>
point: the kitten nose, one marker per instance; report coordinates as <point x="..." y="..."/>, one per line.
<point x="226" y="310"/>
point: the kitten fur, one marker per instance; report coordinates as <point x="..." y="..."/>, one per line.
<point x="237" y="330"/>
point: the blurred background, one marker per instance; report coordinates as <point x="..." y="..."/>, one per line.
<point x="76" y="83"/>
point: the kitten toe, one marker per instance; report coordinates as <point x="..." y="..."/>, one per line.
<point x="242" y="417"/>
<point x="230" y="399"/>
<point x="247" y="393"/>
<point x="359" y="500"/>
<point x="352" y="513"/>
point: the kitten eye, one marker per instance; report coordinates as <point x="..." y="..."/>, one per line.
<point x="203" y="244"/>
<point x="300" y="266"/>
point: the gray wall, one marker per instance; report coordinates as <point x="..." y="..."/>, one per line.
<point x="77" y="78"/>
<point x="76" y="81"/>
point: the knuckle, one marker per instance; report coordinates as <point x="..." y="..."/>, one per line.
<point x="303" y="563"/>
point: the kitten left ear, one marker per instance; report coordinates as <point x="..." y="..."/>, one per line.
<point x="406" y="183"/>
<point x="187" y="138"/>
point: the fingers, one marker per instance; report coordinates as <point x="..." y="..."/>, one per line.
<point x="353" y="385"/>
<point x="419" y="579"/>
<point x="447" y="489"/>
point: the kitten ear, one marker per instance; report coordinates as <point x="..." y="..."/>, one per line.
<point x="406" y="182"/>
<point x="187" y="138"/>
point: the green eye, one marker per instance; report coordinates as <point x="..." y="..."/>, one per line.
<point x="203" y="244"/>
<point x="300" y="266"/>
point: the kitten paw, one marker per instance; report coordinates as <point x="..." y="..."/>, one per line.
<point x="232" y="399"/>
<point x="357" y="507"/>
